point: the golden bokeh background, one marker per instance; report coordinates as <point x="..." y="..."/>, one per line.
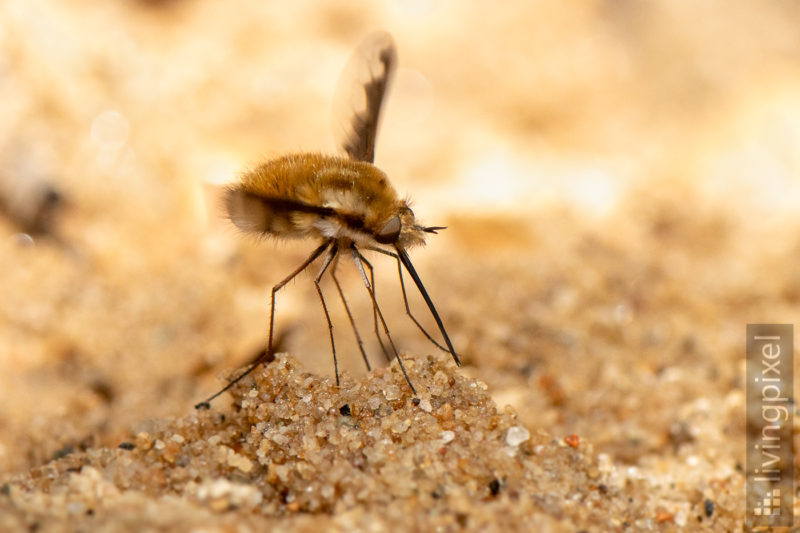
<point x="617" y="177"/>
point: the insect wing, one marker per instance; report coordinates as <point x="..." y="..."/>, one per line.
<point x="361" y="93"/>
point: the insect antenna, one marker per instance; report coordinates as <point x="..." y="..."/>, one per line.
<point x="269" y="354"/>
<point x="434" y="229"/>
<point x="401" y="253"/>
<point x="359" y="264"/>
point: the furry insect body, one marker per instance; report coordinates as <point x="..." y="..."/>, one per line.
<point x="329" y="197"/>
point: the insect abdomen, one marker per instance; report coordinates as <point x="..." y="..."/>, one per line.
<point x="255" y="214"/>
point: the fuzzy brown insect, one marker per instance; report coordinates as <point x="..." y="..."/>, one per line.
<point x="345" y="203"/>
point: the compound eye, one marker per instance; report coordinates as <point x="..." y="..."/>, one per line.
<point x="390" y="231"/>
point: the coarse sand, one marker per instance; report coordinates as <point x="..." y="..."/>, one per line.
<point x="295" y="453"/>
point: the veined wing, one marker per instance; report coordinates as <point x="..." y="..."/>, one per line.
<point x="364" y="84"/>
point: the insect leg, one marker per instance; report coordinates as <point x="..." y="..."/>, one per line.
<point x="405" y="298"/>
<point x="349" y="314"/>
<point x="268" y="356"/>
<point x="401" y="253"/>
<point x="325" y="264"/>
<point x="360" y="265"/>
<point x="374" y="307"/>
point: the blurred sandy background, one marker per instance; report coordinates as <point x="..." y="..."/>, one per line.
<point x="618" y="179"/>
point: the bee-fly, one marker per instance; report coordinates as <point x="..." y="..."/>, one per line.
<point x="345" y="203"/>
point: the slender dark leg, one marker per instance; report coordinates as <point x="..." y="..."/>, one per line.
<point x="405" y="297"/>
<point x="328" y="258"/>
<point x="401" y="253"/>
<point x="374" y="307"/>
<point x="269" y="355"/>
<point x="359" y="264"/>
<point x="349" y="314"/>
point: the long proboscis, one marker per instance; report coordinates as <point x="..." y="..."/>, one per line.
<point x="401" y="253"/>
